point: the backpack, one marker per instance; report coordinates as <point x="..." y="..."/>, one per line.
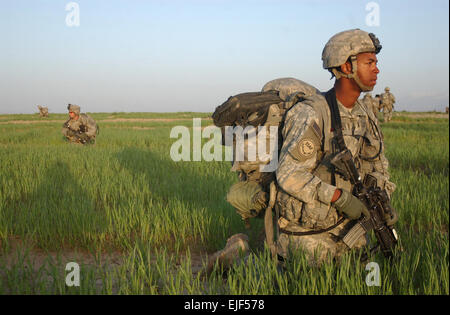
<point x="258" y="109"/>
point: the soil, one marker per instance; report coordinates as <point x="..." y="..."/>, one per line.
<point x="37" y="258"/>
<point x="29" y="122"/>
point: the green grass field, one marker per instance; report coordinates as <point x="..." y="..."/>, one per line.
<point x="139" y="223"/>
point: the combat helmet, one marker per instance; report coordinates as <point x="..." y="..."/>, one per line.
<point x="345" y="45"/>
<point x="74" y="108"/>
<point x="387" y="89"/>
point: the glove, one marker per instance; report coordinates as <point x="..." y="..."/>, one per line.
<point x="391" y="218"/>
<point x="350" y="206"/>
<point x="83" y="137"/>
<point x="248" y="198"/>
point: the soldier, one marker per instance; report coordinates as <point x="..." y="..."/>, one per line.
<point x="377" y="100"/>
<point x="314" y="201"/>
<point x="387" y="103"/>
<point x="79" y="128"/>
<point x="370" y="103"/>
<point x="43" y="111"/>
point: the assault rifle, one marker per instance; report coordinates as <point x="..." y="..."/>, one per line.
<point x="377" y="202"/>
<point x="375" y="199"/>
<point x="78" y="135"/>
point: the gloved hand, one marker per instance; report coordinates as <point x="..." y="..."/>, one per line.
<point x="248" y="198"/>
<point x="83" y="137"/>
<point x="391" y="218"/>
<point x="350" y="206"/>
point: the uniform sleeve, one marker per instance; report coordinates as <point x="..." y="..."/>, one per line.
<point x="299" y="156"/>
<point x="91" y="126"/>
<point x="393" y="98"/>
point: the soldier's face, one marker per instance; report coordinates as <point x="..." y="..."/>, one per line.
<point x="72" y="115"/>
<point x="367" y="68"/>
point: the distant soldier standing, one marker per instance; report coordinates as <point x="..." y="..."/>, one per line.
<point x="43" y="111"/>
<point x="371" y="103"/>
<point x="80" y="128"/>
<point x="387" y="103"/>
<point x="377" y="101"/>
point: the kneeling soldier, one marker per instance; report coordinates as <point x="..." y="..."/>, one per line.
<point x="79" y="128"/>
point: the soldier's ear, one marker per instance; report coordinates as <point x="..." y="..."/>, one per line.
<point x="346" y="67"/>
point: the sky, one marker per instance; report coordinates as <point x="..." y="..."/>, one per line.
<point x="191" y="55"/>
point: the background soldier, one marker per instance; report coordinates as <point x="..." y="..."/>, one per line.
<point x="387" y="103"/>
<point x="80" y="128"/>
<point x="315" y="202"/>
<point x="371" y="103"/>
<point x="43" y="111"/>
<point x="377" y="100"/>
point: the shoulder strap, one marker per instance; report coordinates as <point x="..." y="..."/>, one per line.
<point x="336" y="123"/>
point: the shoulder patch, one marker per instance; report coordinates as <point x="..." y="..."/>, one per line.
<point x="308" y="145"/>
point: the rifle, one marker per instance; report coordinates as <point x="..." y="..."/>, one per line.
<point x="377" y="202"/>
<point x="375" y="199"/>
<point x="77" y="136"/>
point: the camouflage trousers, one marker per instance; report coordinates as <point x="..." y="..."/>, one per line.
<point x="317" y="248"/>
<point x="387" y="116"/>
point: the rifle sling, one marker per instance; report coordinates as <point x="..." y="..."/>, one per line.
<point x="312" y="232"/>
<point x="336" y="123"/>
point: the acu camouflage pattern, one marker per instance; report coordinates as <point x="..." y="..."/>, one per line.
<point x="305" y="180"/>
<point x="345" y="44"/>
<point x="289" y="86"/>
<point x="43" y="111"/>
<point x="83" y="130"/>
<point x="387" y="101"/>
<point x="371" y="103"/>
<point x="74" y="108"/>
<point x="289" y="90"/>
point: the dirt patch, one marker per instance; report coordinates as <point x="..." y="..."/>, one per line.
<point x="30" y="264"/>
<point x="143" y="128"/>
<point x="148" y="119"/>
<point x="422" y="115"/>
<point x="29" y="122"/>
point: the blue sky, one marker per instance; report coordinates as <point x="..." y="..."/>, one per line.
<point x="191" y="55"/>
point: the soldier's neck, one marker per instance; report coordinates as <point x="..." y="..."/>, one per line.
<point x="347" y="92"/>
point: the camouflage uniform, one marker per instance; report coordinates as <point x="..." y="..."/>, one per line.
<point x="43" y="111"/>
<point x="377" y="101"/>
<point x="82" y="130"/>
<point x="371" y="103"/>
<point x="387" y="103"/>
<point x="305" y="179"/>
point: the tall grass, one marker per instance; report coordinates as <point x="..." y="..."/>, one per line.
<point x="125" y="194"/>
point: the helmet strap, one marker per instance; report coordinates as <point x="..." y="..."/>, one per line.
<point x="354" y="75"/>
